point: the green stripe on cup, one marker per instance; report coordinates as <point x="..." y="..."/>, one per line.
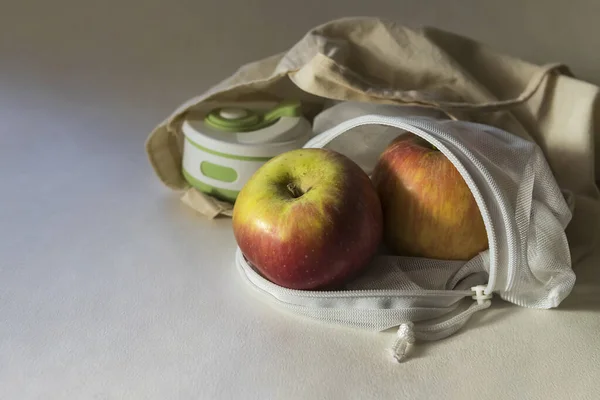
<point x="222" y="194"/>
<point x="234" y="157"/>
<point x="218" y="172"/>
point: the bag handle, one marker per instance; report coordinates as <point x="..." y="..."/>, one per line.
<point x="325" y="77"/>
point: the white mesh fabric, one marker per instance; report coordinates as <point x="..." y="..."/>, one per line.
<point x="528" y="260"/>
<point x="406" y="273"/>
<point x="379" y="303"/>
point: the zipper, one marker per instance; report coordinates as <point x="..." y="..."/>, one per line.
<point x="419" y="127"/>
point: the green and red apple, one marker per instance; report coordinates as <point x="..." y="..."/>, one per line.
<point x="308" y="219"/>
<point x="428" y="208"/>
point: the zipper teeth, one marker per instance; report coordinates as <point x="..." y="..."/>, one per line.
<point x="270" y="287"/>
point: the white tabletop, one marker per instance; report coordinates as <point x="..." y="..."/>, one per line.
<point x="111" y="288"/>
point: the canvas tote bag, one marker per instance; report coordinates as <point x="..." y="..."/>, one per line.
<point x="477" y="93"/>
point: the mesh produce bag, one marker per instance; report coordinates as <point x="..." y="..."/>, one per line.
<point x="524" y="211"/>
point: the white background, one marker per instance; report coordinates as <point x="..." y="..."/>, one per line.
<point x="111" y="288"/>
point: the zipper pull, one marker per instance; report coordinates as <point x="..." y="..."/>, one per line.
<point x="405" y="338"/>
<point x="479" y="295"/>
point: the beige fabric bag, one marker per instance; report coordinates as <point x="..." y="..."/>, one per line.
<point x="376" y="61"/>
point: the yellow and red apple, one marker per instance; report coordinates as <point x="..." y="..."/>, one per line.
<point x="429" y="211"/>
<point x="308" y="219"/>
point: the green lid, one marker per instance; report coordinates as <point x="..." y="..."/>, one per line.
<point x="245" y="120"/>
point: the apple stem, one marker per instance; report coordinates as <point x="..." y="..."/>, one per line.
<point x="294" y="190"/>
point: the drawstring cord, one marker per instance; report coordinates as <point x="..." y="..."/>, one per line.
<point x="408" y="332"/>
<point x="404" y="339"/>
